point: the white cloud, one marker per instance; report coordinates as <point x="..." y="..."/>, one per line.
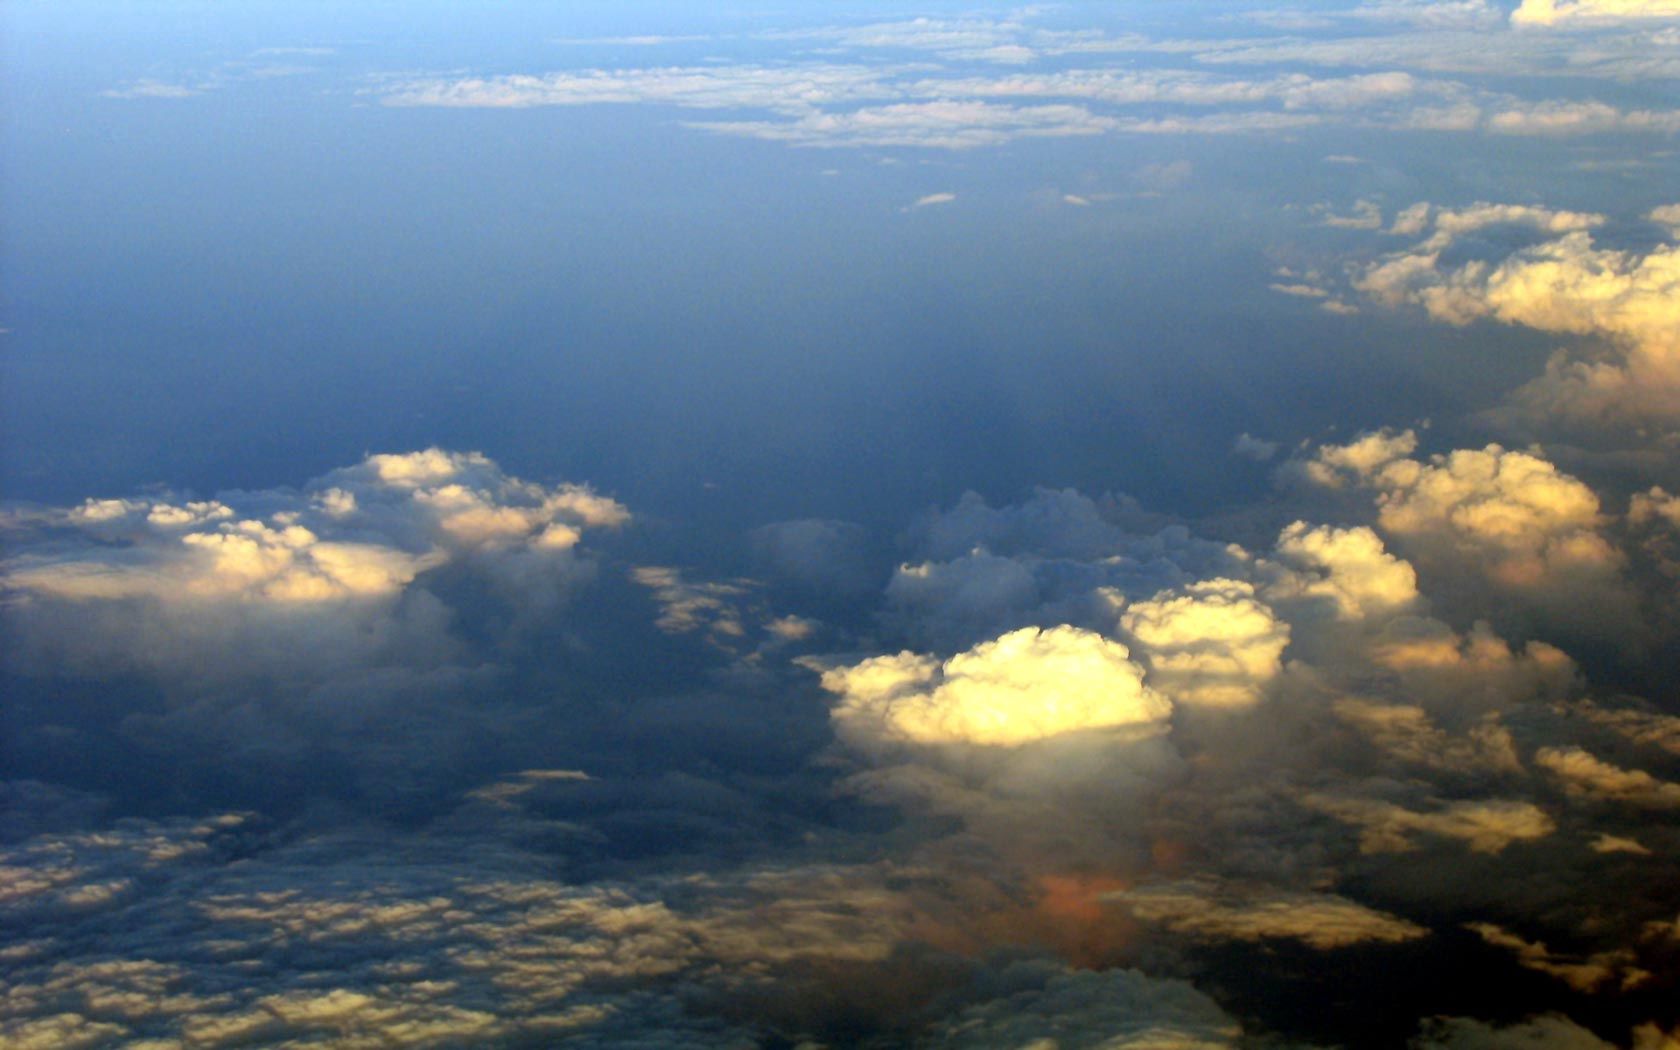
<point x="1348" y="570"/>
<point x="938" y="124"/>
<point x="932" y="199"/>
<point x="1212" y="645"/>
<point x="1554" y="12"/>
<point x="1510" y="518"/>
<point x="1628" y="301"/>
<point x="245" y="584"/>
<point x="1027" y="685"/>
<point x="783" y="89"/>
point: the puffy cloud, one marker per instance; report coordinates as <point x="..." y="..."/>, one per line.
<point x="1568" y="284"/>
<point x="1347" y="571"/>
<point x="1511" y="518"/>
<point x="150" y="581"/>
<point x="1028" y="685"/>
<point x="1206" y="909"/>
<point x="987" y="570"/>
<point x="1211" y="645"/>
<point x="361" y="532"/>
<point x="1655" y="505"/>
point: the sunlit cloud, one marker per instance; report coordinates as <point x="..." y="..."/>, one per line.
<point x="1553" y="12"/>
<point x="1204" y="909"/>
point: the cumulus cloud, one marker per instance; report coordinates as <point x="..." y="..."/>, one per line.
<point x="331" y="560"/>
<point x="1510" y="518"/>
<point x="1027" y="685"/>
<point x="362" y="532"/>
<point x="1621" y="300"/>
<point x="1211" y="645"/>
<point x="1347" y="571"/>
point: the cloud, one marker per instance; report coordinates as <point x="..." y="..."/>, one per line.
<point x="1623" y="300"/>
<point x="1118" y="1009"/>
<point x="1649" y="728"/>
<point x="1406" y="733"/>
<point x="173" y="585"/>
<point x="1585" y="774"/>
<point x="1584" y="974"/>
<point x="955" y="124"/>
<point x="152" y="89"/>
<point x="1205" y="909"/>
<point x="1510" y="518"/>
<point x="942" y="102"/>
<point x="1488" y="826"/>
<point x="1547" y="1032"/>
<point x="817" y="555"/>
<point x="1028" y="685"/>
<point x="1347" y="571"/>
<point x="686" y="606"/>
<point x="1212" y="645"/>
<point x="784" y="89"/>
<point x="353" y="639"/>
<point x="1554" y="12"/>
<point x="369" y="937"/>
<point x="1249" y="447"/>
<point x="931" y="199"/>
<point x="358" y="533"/>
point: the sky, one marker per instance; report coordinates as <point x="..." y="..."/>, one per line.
<point x="1126" y="525"/>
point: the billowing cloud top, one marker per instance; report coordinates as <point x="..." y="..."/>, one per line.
<point x="357" y="533"/>
<point x="1028" y="685"/>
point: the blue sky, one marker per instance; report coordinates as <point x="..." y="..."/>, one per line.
<point x="941" y="526"/>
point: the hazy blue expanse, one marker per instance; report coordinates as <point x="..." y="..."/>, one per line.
<point x="1138" y="524"/>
